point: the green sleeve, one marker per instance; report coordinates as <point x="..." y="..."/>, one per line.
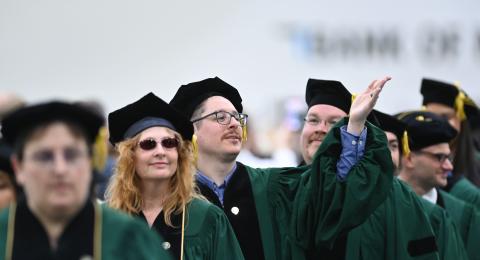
<point x="209" y="235"/>
<point x="311" y="208"/>
<point x="466" y="191"/>
<point x="449" y="241"/>
<point x="124" y="237"/>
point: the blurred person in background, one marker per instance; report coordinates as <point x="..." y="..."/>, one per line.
<point x="453" y="104"/>
<point x="58" y="218"/>
<point x="154" y="179"/>
<point x="281" y="156"/>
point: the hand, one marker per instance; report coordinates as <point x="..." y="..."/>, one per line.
<point x="363" y="105"/>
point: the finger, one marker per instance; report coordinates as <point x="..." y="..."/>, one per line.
<point x="381" y="83"/>
<point x="372" y="85"/>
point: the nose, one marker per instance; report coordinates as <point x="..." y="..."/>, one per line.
<point x="447" y="165"/>
<point x="159" y="150"/>
<point x="323" y="127"/>
<point x="60" y="165"/>
<point x="234" y="123"/>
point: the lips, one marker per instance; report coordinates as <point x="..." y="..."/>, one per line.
<point x="158" y="164"/>
<point x="232" y="137"/>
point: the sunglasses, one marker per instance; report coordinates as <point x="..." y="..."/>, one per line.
<point x="166" y="143"/>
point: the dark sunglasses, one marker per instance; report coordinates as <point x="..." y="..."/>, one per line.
<point x="150" y="143"/>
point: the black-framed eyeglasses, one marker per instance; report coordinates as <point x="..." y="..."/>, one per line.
<point x="224" y="117"/>
<point x="440" y="157"/>
<point x="150" y="143"/>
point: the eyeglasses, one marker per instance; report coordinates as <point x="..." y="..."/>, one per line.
<point x="46" y="157"/>
<point x="440" y="157"/>
<point x="224" y="117"/>
<point x="150" y="143"/>
<point x="313" y="121"/>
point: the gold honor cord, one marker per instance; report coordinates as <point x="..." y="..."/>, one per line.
<point x="183" y="233"/>
<point x="10" y="231"/>
<point x="97" y="232"/>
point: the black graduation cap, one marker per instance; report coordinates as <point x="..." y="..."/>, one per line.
<point x="389" y="123"/>
<point x="328" y="92"/>
<point x="5" y="153"/>
<point x="426" y="129"/>
<point x="434" y="91"/>
<point x="144" y="113"/>
<point x="27" y="118"/>
<point x="333" y="93"/>
<point x="189" y="96"/>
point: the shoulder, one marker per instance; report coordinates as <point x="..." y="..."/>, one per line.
<point x="203" y="216"/>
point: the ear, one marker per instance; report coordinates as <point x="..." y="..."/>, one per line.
<point x="17" y="168"/>
<point x="407" y="161"/>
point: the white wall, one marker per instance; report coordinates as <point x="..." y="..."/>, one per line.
<point x="116" y="51"/>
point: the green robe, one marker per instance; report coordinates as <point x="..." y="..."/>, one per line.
<point x="449" y="242"/>
<point x="398" y="229"/>
<point x="119" y="236"/>
<point x="467" y="220"/>
<point x="303" y="210"/>
<point x="208" y="234"/>
<point x="465" y="190"/>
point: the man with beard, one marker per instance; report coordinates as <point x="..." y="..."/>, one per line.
<point x="285" y="213"/>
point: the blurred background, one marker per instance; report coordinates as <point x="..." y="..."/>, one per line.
<point x="114" y="52"/>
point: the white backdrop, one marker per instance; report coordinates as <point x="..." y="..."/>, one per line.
<point x="116" y="51"/>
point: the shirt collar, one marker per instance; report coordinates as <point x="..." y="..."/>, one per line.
<point x="204" y="179"/>
<point x="431" y="196"/>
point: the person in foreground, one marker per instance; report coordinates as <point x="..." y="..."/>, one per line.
<point x="58" y="219"/>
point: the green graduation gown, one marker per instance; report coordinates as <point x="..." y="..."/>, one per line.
<point x="96" y="232"/>
<point x="398" y="229"/>
<point x="465" y="190"/>
<point x="449" y="242"/>
<point x="294" y="213"/>
<point x="467" y="220"/>
<point x="208" y="234"/>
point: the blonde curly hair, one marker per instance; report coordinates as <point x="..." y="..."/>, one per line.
<point x="124" y="189"/>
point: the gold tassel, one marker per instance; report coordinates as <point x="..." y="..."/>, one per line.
<point x="354" y="96"/>
<point x="195" y="148"/>
<point x="244" y="133"/>
<point x="460" y="105"/>
<point x="405" y="146"/>
<point x="100" y="150"/>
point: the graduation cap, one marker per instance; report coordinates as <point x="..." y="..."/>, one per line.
<point x="389" y="123"/>
<point x="148" y="111"/>
<point x="426" y="129"/>
<point x="328" y="92"/>
<point x="189" y="96"/>
<point x="333" y="93"/>
<point x="27" y="118"/>
<point x="451" y="95"/>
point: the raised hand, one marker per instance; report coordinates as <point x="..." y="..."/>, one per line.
<point x="363" y="105"/>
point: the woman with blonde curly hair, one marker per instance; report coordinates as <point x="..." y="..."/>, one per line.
<point x="154" y="180"/>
